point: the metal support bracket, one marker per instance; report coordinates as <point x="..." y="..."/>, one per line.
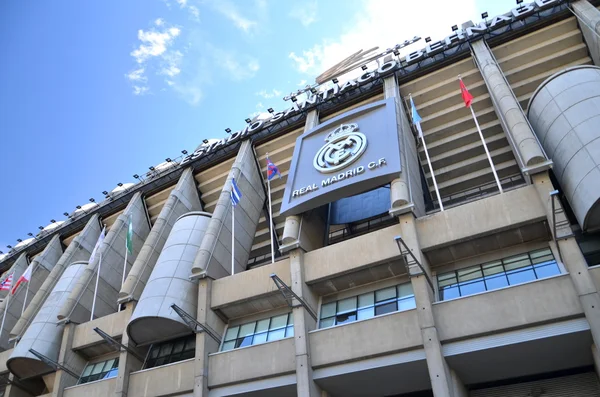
<point x="411" y="260"/>
<point x="53" y="363"/>
<point x="194" y="324"/>
<point x="290" y="295"/>
<point x="116" y="344"/>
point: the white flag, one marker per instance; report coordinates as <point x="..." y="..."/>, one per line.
<point x="98" y="244"/>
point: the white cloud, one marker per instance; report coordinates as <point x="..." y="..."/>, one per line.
<point x="385" y="26"/>
<point x="237" y="66"/>
<point x="182" y="3"/>
<point x="195" y="12"/>
<point x="140" y="90"/>
<point x="159" y="22"/>
<point x="230" y="11"/>
<point x="137" y="75"/>
<point x="305" y="12"/>
<point x="269" y="94"/>
<point x="154" y="43"/>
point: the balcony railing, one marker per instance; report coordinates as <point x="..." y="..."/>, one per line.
<point x="359" y="228"/>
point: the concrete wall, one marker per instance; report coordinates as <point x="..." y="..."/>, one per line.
<point x="590" y="26"/>
<point x="13" y="302"/>
<point x="80" y="249"/>
<point x="214" y="256"/>
<point x="112" y="253"/>
<point x="113" y="324"/>
<point x="508" y="308"/>
<point x="167" y="380"/>
<point x="234" y="366"/>
<point x="101" y="388"/>
<point x="565" y="112"/>
<point x="182" y="199"/>
<point x="153" y="319"/>
<point x="362" y="339"/>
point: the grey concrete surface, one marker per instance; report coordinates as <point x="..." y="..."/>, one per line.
<point x="182" y="199"/>
<point x="589" y="23"/>
<point x="13" y="302"/>
<point x="565" y="112"/>
<point x="214" y="257"/>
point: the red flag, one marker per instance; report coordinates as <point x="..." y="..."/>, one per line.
<point x="467" y="97"/>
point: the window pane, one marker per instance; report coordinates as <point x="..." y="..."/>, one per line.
<point x="108" y="365"/>
<point x="385" y="308"/>
<point x="405" y="290"/>
<point x="345" y="318"/>
<point x="366" y="313"/>
<point x="190" y="343"/>
<point x="449" y="293"/>
<point x="262" y="325"/>
<point x="516" y="262"/>
<point x="406" y="303"/>
<point x="447" y="279"/>
<point x="154" y="351"/>
<point x="327" y="322"/>
<point x="521" y="275"/>
<point x="97" y="368"/>
<point x="260" y="338"/>
<point x="541" y="255"/>
<point x="246" y="329"/>
<point x="289" y="331"/>
<point x="471" y="288"/>
<point x="187" y="354"/>
<point x="111" y="374"/>
<point x="328" y="310"/>
<point x="245" y="341"/>
<point x="385" y="294"/>
<point x="290" y="319"/>
<point x="547" y="269"/>
<point x="365" y="300"/>
<point x="231" y="333"/>
<point x="347" y="305"/>
<point x="178" y="346"/>
<point x="87" y="370"/>
<point x="277" y="334"/>
<point x="278" y="322"/>
<point x="470" y="273"/>
<point x="497" y="281"/>
<point x="489" y="269"/>
<point x="165" y="350"/>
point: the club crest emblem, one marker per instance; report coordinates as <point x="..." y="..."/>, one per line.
<point x="344" y="146"/>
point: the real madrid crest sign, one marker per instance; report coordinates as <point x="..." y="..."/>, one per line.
<point x="344" y="146"/>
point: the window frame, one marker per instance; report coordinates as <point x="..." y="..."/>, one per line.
<point x="187" y="352"/>
<point x="239" y="341"/>
<point x="103" y="372"/>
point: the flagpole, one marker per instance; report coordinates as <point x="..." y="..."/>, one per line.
<point x="6" y="308"/>
<point x="124" y="266"/>
<point x="232" y="239"/>
<point x="487" y="152"/>
<point x="96" y="288"/>
<point x="271" y="221"/>
<point x="25" y="299"/>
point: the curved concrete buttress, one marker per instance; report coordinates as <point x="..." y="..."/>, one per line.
<point x="80" y="249"/>
<point x="153" y="320"/>
<point x="182" y="199"/>
<point x="44" y="335"/>
<point x="41" y="265"/>
<point x="112" y="252"/>
<point x="565" y="113"/>
<point x="17" y="268"/>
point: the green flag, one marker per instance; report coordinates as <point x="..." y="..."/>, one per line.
<point x="129" y="238"/>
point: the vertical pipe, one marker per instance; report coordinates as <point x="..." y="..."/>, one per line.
<point x="486" y="150"/>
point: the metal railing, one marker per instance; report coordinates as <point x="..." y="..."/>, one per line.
<point x="362" y="227"/>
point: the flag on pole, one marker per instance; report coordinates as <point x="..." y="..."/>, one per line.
<point x="272" y="170"/>
<point x="98" y="244"/>
<point x="25" y="277"/>
<point x="6" y="284"/>
<point x="129" y="238"/>
<point x="416" y="119"/>
<point x="466" y="95"/>
<point x="236" y="194"/>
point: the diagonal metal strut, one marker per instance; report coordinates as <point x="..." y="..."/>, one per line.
<point x="195" y="324"/>
<point x="290" y="295"/>
<point x="412" y="260"/>
<point x="53" y="364"/>
<point x="116" y="344"/>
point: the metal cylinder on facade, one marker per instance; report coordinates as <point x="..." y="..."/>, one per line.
<point x="565" y="112"/>
<point x="153" y="319"/>
<point x="43" y="334"/>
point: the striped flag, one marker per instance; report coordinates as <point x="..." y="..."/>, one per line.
<point x="25" y="277"/>
<point x="236" y="194"/>
<point x="416" y="119"/>
<point x="98" y="244"/>
<point x="129" y="238"/>
<point x="466" y="95"/>
<point x="6" y="284"/>
<point x="272" y="170"/>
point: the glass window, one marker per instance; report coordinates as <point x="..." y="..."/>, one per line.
<point x="100" y="370"/>
<point x="493" y="275"/>
<point x="261" y="331"/>
<point x="174" y="350"/>
<point x="364" y="306"/>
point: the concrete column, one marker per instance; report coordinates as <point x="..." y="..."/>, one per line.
<point x="596" y="356"/>
<point x="303" y="323"/>
<point x="589" y="24"/>
<point x="69" y="359"/>
<point x="112" y="252"/>
<point x="214" y="256"/>
<point x="205" y="345"/>
<point x="458" y="388"/>
<point x="14" y="302"/>
<point x="80" y="249"/>
<point x="128" y="363"/>
<point x="406" y="192"/>
<point x="507" y="108"/>
<point x="573" y="260"/>
<point x="439" y="373"/>
<point x="182" y="199"/>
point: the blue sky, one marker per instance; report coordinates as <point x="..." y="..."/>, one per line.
<point x="94" y="92"/>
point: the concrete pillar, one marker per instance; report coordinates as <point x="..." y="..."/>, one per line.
<point x="205" y="345"/>
<point x="128" y="363"/>
<point x="589" y="23"/>
<point x="303" y="323"/>
<point x="214" y="256"/>
<point x="14" y="303"/>
<point x="458" y="388"/>
<point x="439" y="373"/>
<point x="507" y="108"/>
<point x="182" y="199"/>
<point x="70" y="360"/>
<point x="573" y="260"/>
<point x="112" y="252"/>
<point x="596" y="357"/>
<point x="406" y="192"/>
<point x="80" y="249"/>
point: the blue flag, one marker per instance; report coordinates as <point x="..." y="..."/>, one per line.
<point x="236" y="194"/>
<point x="416" y="119"/>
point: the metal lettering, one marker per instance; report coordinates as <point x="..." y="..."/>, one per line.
<point x="435" y="47"/>
<point x="334" y="91"/>
<point x="500" y="20"/>
<point x="348" y="84"/>
<point x="545" y="3"/>
<point x="456" y="36"/>
<point x="413" y="57"/>
<point x="386" y="67"/>
<point x="366" y="77"/>
<point x="522" y="11"/>
<point x="479" y="29"/>
<point x="256" y="125"/>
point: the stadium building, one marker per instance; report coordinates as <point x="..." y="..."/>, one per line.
<point x="461" y="262"/>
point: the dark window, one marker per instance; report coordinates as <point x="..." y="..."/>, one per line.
<point x="171" y="351"/>
<point x="514" y="270"/>
<point x="100" y="370"/>
<point x="371" y="304"/>
<point x="268" y="329"/>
